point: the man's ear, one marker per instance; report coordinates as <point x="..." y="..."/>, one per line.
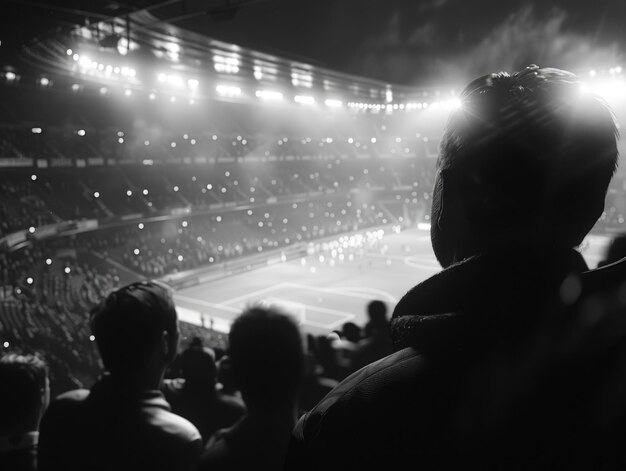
<point x="168" y="345"/>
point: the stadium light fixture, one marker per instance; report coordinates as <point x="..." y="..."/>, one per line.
<point x="332" y="103"/>
<point x="228" y="90"/>
<point x="269" y="95"/>
<point x="300" y="78"/>
<point x="304" y="99"/>
<point x="226" y="64"/>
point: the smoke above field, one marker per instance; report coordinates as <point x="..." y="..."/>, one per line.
<point x="435" y="50"/>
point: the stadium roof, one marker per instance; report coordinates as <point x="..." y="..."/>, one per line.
<point x="421" y="42"/>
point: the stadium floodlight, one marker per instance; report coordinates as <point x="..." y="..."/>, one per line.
<point x="228" y="90"/>
<point x="304" y="99"/>
<point x="269" y="95"/>
<point x="332" y="103"/>
<point x="300" y="78"/>
<point x="611" y="91"/>
<point x="69" y="52"/>
<point x="44" y="81"/>
<point x="226" y="64"/>
<point x="193" y="84"/>
<point x="258" y="72"/>
<point x="36" y="130"/>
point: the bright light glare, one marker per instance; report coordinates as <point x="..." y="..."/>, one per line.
<point x="228" y="90"/>
<point x="226" y="64"/>
<point x="304" y="99"/>
<point x="269" y="95"/>
<point x="611" y="90"/>
<point x="333" y="103"/>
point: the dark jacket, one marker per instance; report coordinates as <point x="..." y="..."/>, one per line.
<point x="495" y="368"/>
<point x="109" y="428"/>
<point x="207" y="409"/>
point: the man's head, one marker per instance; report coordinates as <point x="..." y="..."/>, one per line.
<point x="525" y="160"/>
<point x="24" y="393"/>
<point x="199" y="368"/>
<point x="266" y="357"/>
<point x="136" y="328"/>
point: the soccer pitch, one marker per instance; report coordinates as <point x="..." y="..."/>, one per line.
<point x="323" y="291"/>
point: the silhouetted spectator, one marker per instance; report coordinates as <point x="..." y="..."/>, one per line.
<point x="267" y="360"/>
<point x="194" y="396"/>
<point x="377" y="341"/>
<point x="124" y="422"/>
<point x="344" y="346"/>
<point x="24" y="395"/>
<point x="490" y="369"/>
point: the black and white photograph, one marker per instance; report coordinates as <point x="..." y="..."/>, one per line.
<point x="297" y="235"/>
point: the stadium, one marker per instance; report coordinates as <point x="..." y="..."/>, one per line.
<point x="132" y="148"/>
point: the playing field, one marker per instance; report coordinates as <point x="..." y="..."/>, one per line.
<point x="323" y="290"/>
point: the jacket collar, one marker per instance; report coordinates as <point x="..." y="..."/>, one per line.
<point x="479" y="298"/>
<point x="109" y="390"/>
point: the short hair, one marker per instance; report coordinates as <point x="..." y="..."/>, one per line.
<point x="266" y="355"/>
<point x="530" y="150"/>
<point x="129" y="322"/>
<point x="198" y="366"/>
<point x="23" y="380"/>
<point x="377" y="312"/>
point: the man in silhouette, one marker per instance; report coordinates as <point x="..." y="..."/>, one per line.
<point x="123" y="421"/>
<point x="266" y="354"/>
<point x="24" y="396"/>
<point x="496" y="363"/>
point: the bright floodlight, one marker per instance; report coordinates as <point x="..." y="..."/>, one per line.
<point x="269" y="95"/>
<point x="331" y="103"/>
<point x="611" y="90"/>
<point x="301" y="78"/>
<point x="304" y="99"/>
<point x="81" y="132"/>
<point x="226" y="64"/>
<point x="228" y="90"/>
<point x="192" y="84"/>
<point x="122" y="46"/>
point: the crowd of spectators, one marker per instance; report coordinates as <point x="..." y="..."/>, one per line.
<point x="510" y="357"/>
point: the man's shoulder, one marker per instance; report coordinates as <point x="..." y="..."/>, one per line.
<point x="363" y="388"/>
<point x="165" y="422"/>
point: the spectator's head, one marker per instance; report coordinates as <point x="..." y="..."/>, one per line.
<point x="24" y="393"/>
<point x="350" y="331"/>
<point x="615" y="251"/>
<point x="198" y="368"/>
<point x="136" y="330"/>
<point x="266" y="357"/>
<point x="377" y="312"/>
<point x="525" y="159"/>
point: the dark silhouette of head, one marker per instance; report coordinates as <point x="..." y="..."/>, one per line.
<point x="377" y="312"/>
<point x="199" y="368"/>
<point x="350" y="331"/>
<point x="24" y="393"/>
<point x="266" y="355"/>
<point x="525" y="160"/>
<point x="136" y="329"/>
